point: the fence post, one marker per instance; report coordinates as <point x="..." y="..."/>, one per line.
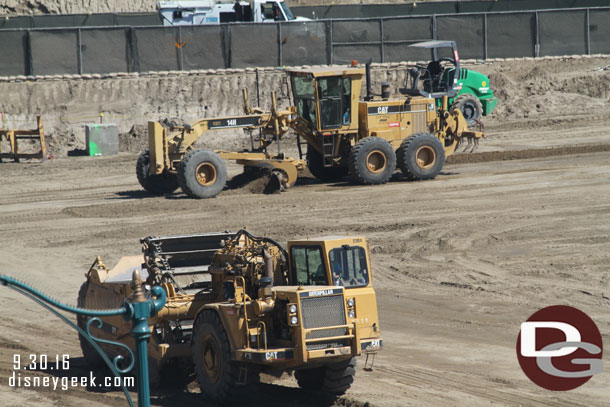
<point x="537" y="45"/>
<point x="329" y="41"/>
<point x="588" y="23"/>
<point x="381" y="40"/>
<point x="180" y="61"/>
<point x="485" y="36"/>
<point x="29" y="61"/>
<point x="279" y="44"/>
<point x="79" y="51"/>
<point x="229" y="51"/>
<point x="133" y="56"/>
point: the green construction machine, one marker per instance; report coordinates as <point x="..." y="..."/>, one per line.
<point x="469" y="91"/>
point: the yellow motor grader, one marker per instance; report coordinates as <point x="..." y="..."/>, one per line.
<point x="366" y="138"/>
<point x="238" y="305"/>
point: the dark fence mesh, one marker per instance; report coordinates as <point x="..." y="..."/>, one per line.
<point x="303" y="43"/>
<point x="399" y="33"/>
<point x="12" y="49"/>
<point x="254" y="45"/>
<point x="137" y="19"/>
<point x="562" y="32"/>
<point x="100" y="20"/>
<point x="467" y="31"/>
<point x="511" y="35"/>
<point x="54" y="52"/>
<point x="356" y="40"/>
<point x="105" y="50"/>
<point x="16" y="22"/>
<point x="157" y="48"/>
<point x="202" y="47"/>
<point x="58" y="20"/>
<point x="599" y="26"/>
<point x="439" y="7"/>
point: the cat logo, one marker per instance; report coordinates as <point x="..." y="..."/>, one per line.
<point x="382" y="110"/>
<point x="270" y="355"/>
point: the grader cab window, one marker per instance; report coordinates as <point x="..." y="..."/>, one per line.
<point x="349" y="267"/>
<point x="308" y="266"/>
<point x="335" y="97"/>
<point x="304" y="98"/>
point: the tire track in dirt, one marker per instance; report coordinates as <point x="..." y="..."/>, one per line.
<point x="468" y="386"/>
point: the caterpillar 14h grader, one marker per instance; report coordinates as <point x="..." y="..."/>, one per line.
<point x="366" y="138"/>
<point x="238" y="305"/>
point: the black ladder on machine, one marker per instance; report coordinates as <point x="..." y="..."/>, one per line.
<point x="328" y="149"/>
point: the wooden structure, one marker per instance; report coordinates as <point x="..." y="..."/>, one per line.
<point x="14" y="136"/>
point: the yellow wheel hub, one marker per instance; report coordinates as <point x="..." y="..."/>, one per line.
<point x="376" y="161"/>
<point x="206" y="174"/>
<point x="211" y="358"/>
<point x="425" y="157"/>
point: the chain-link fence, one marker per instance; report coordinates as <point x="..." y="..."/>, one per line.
<point x="334" y="11"/>
<point x="412" y="8"/>
<point x="84" y="50"/>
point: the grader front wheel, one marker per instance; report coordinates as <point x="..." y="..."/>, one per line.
<point x="315" y="164"/>
<point x="161" y="184"/>
<point x="421" y="156"/>
<point x="202" y="174"/>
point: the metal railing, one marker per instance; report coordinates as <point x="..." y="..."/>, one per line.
<point x="137" y="309"/>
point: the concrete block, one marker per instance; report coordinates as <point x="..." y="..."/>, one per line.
<point x="102" y="139"/>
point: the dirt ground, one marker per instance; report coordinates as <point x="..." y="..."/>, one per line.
<point x="459" y="261"/>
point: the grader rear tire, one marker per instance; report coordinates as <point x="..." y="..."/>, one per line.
<point x="315" y="164"/>
<point x="334" y="379"/>
<point x="202" y="174"/>
<point x="372" y="161"/>
<point x="421" y="156"/>
<point x="161" y="184"/>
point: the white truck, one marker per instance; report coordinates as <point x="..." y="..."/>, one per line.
<point x="201" y="12"/>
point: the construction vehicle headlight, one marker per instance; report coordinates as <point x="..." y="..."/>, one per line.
<point x="294" y="320"/>
<point x="351" y="314"/>
<point x="292" y="309"/>
<point x="350" y="303"/>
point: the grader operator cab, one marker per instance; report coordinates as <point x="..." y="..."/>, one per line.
<point x="366" y="138"/>
<point x="238" y="305"/>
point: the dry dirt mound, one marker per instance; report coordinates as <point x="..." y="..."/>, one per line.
<point x="254" y="180"/>
<point x="135" y="140"/>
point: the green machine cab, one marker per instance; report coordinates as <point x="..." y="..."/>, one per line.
<point x="469" y="91"/>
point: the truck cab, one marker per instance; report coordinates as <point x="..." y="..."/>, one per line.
<point x="204" y="12"/>
<point x="340" y="261"/>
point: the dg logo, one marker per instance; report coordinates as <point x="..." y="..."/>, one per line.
<point x="560" y="348"/>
